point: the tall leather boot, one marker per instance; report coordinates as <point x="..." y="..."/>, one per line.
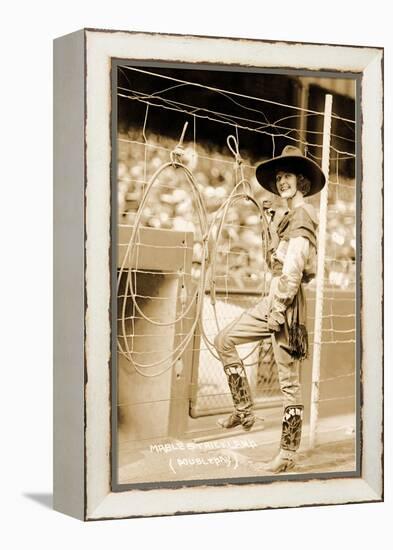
<point x="290" y="439"/>
<point x="241" y="396"/>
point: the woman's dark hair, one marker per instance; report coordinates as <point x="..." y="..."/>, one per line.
<point x="303" y="184"/>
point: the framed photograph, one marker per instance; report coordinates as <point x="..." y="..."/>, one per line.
<point x="218" y="274"/>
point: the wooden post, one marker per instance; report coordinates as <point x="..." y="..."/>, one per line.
<point x="303" y="100"/>
<point x="316" y="363"/>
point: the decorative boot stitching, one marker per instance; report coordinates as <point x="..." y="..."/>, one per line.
<point x="239" y="387"/>
<point x="292" y="427"/>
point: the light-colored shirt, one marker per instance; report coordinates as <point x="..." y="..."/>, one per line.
<point x="298" y="258"/>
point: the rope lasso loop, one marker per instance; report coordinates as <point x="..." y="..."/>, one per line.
<point x="233" y="145"/>
<point x="170" y="359"/>
<point x="247" y="190"/>
<point x="234" y="149"/>
<point x="214" y="236"/>
<point x="176" y="156"/>
<point x="178" y="152"/>
<point x="131" y="248"/>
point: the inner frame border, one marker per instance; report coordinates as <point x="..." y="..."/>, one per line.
<point x="212" y="482"/>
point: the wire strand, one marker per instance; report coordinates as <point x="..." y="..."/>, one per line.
<point x="236" y="94"/>
<point x="230" y="117"/>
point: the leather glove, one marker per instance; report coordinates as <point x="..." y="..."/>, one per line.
<point x="274" y="321"/>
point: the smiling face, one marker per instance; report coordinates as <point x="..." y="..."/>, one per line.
<point x="286" y="183"/>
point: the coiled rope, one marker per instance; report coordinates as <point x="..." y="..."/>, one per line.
<point x="219" y="221"/>
<point x="127" y="264"/>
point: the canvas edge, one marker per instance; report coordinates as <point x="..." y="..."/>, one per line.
<point x="101" y="502"/>
<point x="68" y="274"/>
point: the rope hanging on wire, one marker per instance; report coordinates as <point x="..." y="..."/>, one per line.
<point x="241" y="191"/>
<point x="128" y="262"/>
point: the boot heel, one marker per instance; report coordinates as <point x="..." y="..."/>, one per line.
<point x="283" y="462"/>
<point x="290" y="440"/>
<point x="237" y="419"/>
<point x="248" y="422"/>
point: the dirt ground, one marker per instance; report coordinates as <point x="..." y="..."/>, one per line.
<point x="242" y="455"/>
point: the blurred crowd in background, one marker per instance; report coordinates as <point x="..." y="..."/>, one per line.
<point x="240" y="263"/>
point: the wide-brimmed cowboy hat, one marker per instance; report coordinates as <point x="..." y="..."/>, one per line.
<point x="291" y="160"/>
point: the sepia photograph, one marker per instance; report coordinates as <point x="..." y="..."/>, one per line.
<point x="220" y="347"/>
<point x="235" y="245"/>
<point x="197" y="191"/>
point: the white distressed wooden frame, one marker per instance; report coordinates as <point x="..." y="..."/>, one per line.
<point x="82" y="106"/>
